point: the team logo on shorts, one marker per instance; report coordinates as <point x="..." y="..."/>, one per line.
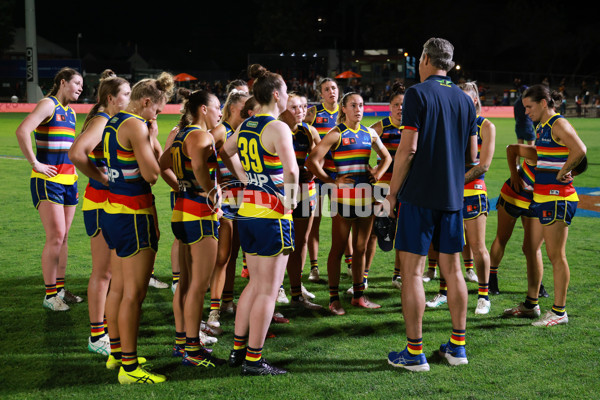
<point x="547" y="214"/>
<point x="471" y="208"/>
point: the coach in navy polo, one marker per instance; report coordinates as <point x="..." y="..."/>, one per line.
<point x="438" y="127"/>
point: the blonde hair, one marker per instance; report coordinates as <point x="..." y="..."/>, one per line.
<point x="472" y="90"/>
<point x="157" y="89"/>
<point x="108" y="86"/>
<point x="234" y="97"/>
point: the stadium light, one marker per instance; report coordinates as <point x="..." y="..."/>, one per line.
<point x="303" y="54"/>
<point x="293" y="54"/>
<point x="458" y="67"/>
<point x="281" y="55"/>
<point x="315" y="55"/>
<point x="405" y="54"/>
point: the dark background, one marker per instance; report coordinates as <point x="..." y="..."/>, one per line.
<point x="554" y="37"/>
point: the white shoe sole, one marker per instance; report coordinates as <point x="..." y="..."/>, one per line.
<point x="416" y="368"/>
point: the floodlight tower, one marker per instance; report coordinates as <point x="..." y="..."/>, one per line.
<point x="34" y="93"/>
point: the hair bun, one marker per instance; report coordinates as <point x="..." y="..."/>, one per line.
<point x="184" y="92"/>
<point x="256" y="71"/>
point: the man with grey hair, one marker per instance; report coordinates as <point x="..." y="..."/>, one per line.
<point x="438" y="126"/>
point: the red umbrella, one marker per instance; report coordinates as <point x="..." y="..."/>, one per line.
<point x="184" y="77"/>
<point x="348" y="74"/>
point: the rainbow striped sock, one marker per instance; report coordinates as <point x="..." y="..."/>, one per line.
<point x="558" y="310"/>
<point x="531" y="302"/>
<point x="468" y="264"/>
<point x="192" y="346"/>
<point x="215" y="304"/>
<point x="239" y="342"/>
<point x="244" y="263"/>
<point x="296" y="292"/>
<point x="366" y="274"/>
<point x="396" y="274"/>
<point x="483" y="291"/>
<point x="334" y="294"/>
<point x="253" y="355"/>
<point x="458" y="337"/>
<point x="493" y="270"/>
<point x="129" y="361"/>
<point x="105" y="325"/>
<point x="443" y="287"/>
<point x="227" y="296"/>
<point x="175" y="279"/>
<point x="115" y="348"/>
<point x="314" y="264"/>
<point x="50" y="291"/>
<point x="97" y="329"/>
<point x="414" y="346"/>
<point x="348" y="260"/>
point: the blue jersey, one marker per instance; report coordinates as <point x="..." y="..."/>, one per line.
<point x="264" y="170"/>
<point x="129" y="193"/>
<point x="444" y="117"/>
<point x="96" y="193"/>
<point x="324" y="121"/>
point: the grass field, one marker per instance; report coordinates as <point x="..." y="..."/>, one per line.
<point x="44" y="354"/>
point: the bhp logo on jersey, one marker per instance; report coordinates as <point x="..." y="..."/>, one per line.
<point x="113" y="174"/>
<point x="256" y="179"/>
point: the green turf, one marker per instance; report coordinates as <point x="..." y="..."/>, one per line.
<point x="44" y="355"/>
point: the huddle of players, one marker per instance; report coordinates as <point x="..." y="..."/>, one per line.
<point x="270" y="164"/>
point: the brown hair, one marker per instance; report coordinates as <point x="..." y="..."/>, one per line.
<point x="539" y="92"/>
<point x="192" y="103"/>
<point x="398" y="89"/>
<point x="231" y="85"/>
<point x="249" y="105"/>
<point x="65" y="73"/>
<point x="108" y="86"/>
<point x="341" y="115"/>
<point x="157" y="89"/>
<point x="265" y="83"/>
<point x="107" y="73"/>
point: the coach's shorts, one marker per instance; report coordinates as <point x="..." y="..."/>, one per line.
<point x="474" y="206"/>
<point x="525" y="132"/>
<point x="266" y="237"/>
<point x="418" y="227"/>
<point x="129" y="233"/>
<point x="513" y="210"/>
<point x="41" y="190"/>
<point x="91" y="220"/>
<point x="552" y="211"/>
<point x="190" y="232"/>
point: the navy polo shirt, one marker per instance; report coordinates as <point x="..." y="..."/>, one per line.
<point x="445" y="117"/>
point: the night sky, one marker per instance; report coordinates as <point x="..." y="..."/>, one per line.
<point x="545" y="37"/>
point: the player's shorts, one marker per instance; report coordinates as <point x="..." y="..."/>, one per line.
<point x="266" y="237"/>
<point x="190" y="232"/>
<point x="173" y="196"/>
<point x="306" y="207"/>
<point x="129" y="233"/>
<point x="525" y="132"/>
<point x="351" y="211"/>
<point x="513" y="210"/>
<point x="57" y="193"/>
<point x="91" y="220"/>
<point x="323" y="188"/>
<point x="552" y="211"/>
<point x="418" y="227"/>
<point x="229" y="212"/>
<point x="474" y="206"/>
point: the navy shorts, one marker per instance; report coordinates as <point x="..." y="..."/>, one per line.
<point x="266" y="236"/>
<point x="190" y="232"/>
<point x="305" y="208"/>
<point x="44" y="190"/>
<point x="474" y="206"/>
<point x="552" y="211"/>
<point x="418" y="227"/>
<point x="91" y="220"/>
<point x="129" y="233"/>
<point x="525" y="132"/>
<point x="513" y="210"/>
